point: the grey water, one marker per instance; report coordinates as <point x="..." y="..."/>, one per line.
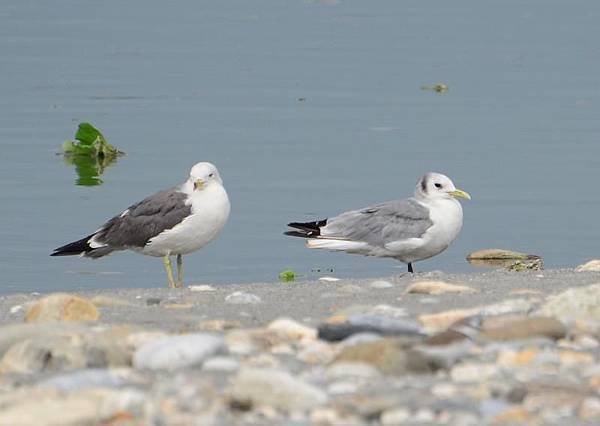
<point x="308" y="108"/>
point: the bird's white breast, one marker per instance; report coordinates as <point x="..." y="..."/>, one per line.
<point x="447" y="218"/>
<point x="209" y="212"/>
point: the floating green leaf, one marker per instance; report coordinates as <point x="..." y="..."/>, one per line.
<point x="438" y="87"/>
<point x="287" y="276"/>
<point x="90" y="153"/>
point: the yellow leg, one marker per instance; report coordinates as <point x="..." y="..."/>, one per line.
<point x="169" y="269"/>
<point x="179" y="270"/>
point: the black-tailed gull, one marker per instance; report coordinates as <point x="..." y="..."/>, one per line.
<point x="408" y="230"/>
<point x="176" y="221"/>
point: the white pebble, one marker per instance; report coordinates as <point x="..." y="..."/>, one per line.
<point x="240" y="298"/>
<point x="381" y="284"/>
<point x="201" y="287"/>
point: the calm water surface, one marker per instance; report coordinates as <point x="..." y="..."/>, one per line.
<point x="308" y="109"/>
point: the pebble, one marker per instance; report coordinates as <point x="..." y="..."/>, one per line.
<point x="176" y="352"/>
<point x="396" y="416"/>
<point x="370" y="324"/>
<point x="473" y="372"/>
<point x="442" y="320"/>
<point x="591" y="266"/>
<point x="357" y="370"/>
<point x="49" y="407"/>
<point x="90" y="378"/>
<point x="16" y="309"/>
<point x="575" y="303"/>
<point x="62" y="307"/>
<point x="317" y="352"/>
<point x="437" y="287"/>
<point x="388" y="355"/>
<point x="589" y="410"/>
<point x="242" y="298"/>
<point x="221" y="363"/>
<point x="514" y="327"/>
<point x="380" y="284"/>
<point x="201" y="287"/>
<point x="275" y="388"/>
<point x="292" y="330"/>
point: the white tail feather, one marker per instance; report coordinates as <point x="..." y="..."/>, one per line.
<point x="339" y="245"/>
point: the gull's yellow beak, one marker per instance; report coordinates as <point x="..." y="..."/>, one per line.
<point x="198" y="184"/>
<point x="458" y="193"/>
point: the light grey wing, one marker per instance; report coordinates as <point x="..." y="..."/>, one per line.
<point x="381" y="224"/>
<point x="145" y="220"/>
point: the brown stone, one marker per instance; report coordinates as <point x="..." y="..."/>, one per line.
<point x="443" y="320"/>
<point x="514" y="327"/>
<point x="62" y="307"/>
<point x="445" y="338"/>
<point x="389" y="355"/>
<point x="513" y="415"/>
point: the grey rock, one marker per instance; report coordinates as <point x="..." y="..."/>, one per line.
<point x="65" y="352"/>
<point x="382" y="325"/>
<point x="575" y="303"/>
<point x="153" y="301"/>
<point x="90" y="378"/>
<point x="276" y="388"/>
<point x="177" y="352"/>
<point x="13" y="333"/>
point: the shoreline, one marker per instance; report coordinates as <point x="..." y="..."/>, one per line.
<point x="476" y="348"/>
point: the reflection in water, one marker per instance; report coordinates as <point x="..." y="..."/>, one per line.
<point x="88" y="168"/>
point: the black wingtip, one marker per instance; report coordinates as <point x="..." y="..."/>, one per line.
<point x="306" y="229"/>
<point x="296" y="234"/>
<point x="73" y="249"/>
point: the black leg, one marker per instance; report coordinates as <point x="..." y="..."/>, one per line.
<point x="410" y="269"/>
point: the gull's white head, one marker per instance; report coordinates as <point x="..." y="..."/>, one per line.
<point x="203" y="175"/>
<point x="438" y="186"/>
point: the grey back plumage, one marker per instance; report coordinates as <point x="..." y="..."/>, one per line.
<point x="145" y="220"/>
<point x="381" y="224"/>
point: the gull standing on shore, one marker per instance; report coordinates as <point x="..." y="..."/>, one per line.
<point x="408" y="230"/>
<point x="172" y="222"/>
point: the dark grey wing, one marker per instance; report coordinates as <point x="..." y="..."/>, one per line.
<point x="380" y="224"/>
<point x="145" y="220"/>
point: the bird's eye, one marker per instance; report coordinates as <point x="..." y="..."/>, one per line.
<point x="211" y="175"/>
<point x="438" y="185"/>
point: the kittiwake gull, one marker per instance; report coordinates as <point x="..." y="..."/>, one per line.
<point x="408" y="230"/>
<point x="172" y="222"/>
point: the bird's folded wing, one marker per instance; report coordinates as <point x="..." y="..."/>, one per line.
<point x="381" y="224"/>
<point x="145" y="220"/>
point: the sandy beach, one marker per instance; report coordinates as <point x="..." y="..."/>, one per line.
<point x="433" y="348"/>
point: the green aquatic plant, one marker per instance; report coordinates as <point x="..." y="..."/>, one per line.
<point x="90" y="153"/>
<point x="287" y="276"/>
<point x="438" y="87"/>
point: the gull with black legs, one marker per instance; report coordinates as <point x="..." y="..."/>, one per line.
<point x="408" y="230"/>
<point x="172" y="222"/>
